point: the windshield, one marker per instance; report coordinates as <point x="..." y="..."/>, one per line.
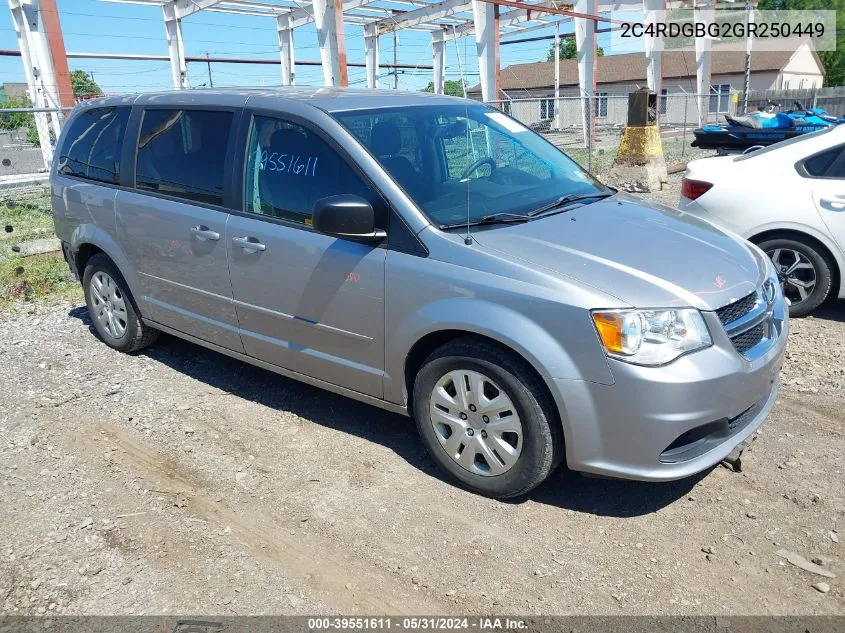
<point x="451" y="159"/>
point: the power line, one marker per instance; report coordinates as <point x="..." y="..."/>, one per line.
<point x="216" y="60"/>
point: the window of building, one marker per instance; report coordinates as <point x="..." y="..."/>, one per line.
<point x="506" y="107"/>
<point x="289" y="168"/>
<point x="662" y="101"/>
<point x="720" y="98"/>
<point x="93" y="145"/>
<point x="601" y="104"/>
<point x="547" y="109"/>
<point x="182" y="153"/>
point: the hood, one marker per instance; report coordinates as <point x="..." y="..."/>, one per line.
<point x="645" y="255"/>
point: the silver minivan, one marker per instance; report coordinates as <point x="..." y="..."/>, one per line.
<point x="430" y="256"/>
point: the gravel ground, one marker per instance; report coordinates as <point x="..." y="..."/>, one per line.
<point x="181" y="481"/>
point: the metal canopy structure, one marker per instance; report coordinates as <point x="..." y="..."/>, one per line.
<point x="485" y="20"/>
<point x="445" y="20"/>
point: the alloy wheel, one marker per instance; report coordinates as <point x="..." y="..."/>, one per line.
<point x="476" y="422"/>
<point x="108" y="303"/>
<point x="796" y="273"/>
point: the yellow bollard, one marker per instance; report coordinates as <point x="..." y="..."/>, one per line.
<point x="639" y="164"/>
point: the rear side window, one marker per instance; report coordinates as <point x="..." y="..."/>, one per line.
<point x="824" y="165"/>
<point x="182" y="153"/>
<point x="92" y="147"/>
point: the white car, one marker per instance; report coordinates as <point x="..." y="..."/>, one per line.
<point x="787" y="198"/>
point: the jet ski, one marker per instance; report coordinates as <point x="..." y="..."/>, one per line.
<point x="756" y="129"/>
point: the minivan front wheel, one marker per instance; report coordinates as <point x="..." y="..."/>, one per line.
<point x="112" y="308"/>
<point x="486" y="419"/>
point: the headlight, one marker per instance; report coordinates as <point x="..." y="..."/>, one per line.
<point x="651" y="337"/>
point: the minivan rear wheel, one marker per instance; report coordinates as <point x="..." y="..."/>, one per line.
<point x="112" y="308"/>
<point x="804" y="273"/>
<point x="486" y="419"/>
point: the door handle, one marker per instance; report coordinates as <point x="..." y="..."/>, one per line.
<point x="833" y="205"/>
<point x="249" y="244"/>
<point x="203" y="233"/>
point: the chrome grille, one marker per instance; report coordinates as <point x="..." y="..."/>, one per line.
<point x="737" y="309"/>
<point x="748" y="321"/>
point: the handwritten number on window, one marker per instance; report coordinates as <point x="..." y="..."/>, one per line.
<point x="289" y="163"/>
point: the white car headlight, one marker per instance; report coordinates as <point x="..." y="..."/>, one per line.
<point x="651" y="337"/>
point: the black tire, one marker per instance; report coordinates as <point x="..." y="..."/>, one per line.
<point x="137" y="334"/>
<point x="822" y="268"/>
<point x="542" y="434"/>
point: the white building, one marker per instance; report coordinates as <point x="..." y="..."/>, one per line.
<point x="530" y="87"/>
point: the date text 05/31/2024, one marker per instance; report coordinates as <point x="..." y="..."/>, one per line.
<point x="416" y="623"/>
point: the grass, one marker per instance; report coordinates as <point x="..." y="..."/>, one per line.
<point x="24" y="215"/>
<point x="36" y="277"/>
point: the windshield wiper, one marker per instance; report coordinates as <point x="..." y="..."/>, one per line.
<point x="557" y="206"/>
<point x="493" y="218"/>
<point x="563" y="201"/>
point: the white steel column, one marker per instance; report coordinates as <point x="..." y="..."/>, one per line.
<point x="703" y="14"/>
<point x="328" y="18"/>
<point x="32" y="74"/>
<point x="556" y="123"/>
<point x="285" y="33"/>
<point x="655" y="12"/>
<point x="438" y="51"/>
<point x="371" y="54"/>
<point x="175" y="46"/>
<point x="585" y="43"/>
<point x="486" y="38"/>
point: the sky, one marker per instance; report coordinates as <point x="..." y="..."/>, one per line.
<point x="101" y="26"/>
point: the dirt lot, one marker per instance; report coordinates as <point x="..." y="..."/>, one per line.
<point x="181" y="481"/>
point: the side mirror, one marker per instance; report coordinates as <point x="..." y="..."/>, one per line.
<point x="347" y="216"/>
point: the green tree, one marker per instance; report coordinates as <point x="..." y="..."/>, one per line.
<point x="568" y="50"/>
<point x="452" y="87"/>
<point x="833" y="61"/>
<point x="83" y="85"/>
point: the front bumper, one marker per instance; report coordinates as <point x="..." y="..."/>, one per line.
<point x="665" y="423"/>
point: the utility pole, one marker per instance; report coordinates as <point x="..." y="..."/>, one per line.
<point x="556" y="108"/>
<point x="747" y="80"/>
<point x="210" y="80"/>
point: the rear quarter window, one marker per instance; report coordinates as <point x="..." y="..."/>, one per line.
<point x="182" y="153"/>
<point x="827" y="164"/>
<point x="92" y="147"/>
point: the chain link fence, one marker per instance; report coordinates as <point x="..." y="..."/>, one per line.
<point x="24" y="132"/>
<point x="831" y="99"/>
<point x="23" y="161"/>
<point x="594" y="142"/>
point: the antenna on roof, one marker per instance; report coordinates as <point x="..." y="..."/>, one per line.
<point x="460" y="63"/>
